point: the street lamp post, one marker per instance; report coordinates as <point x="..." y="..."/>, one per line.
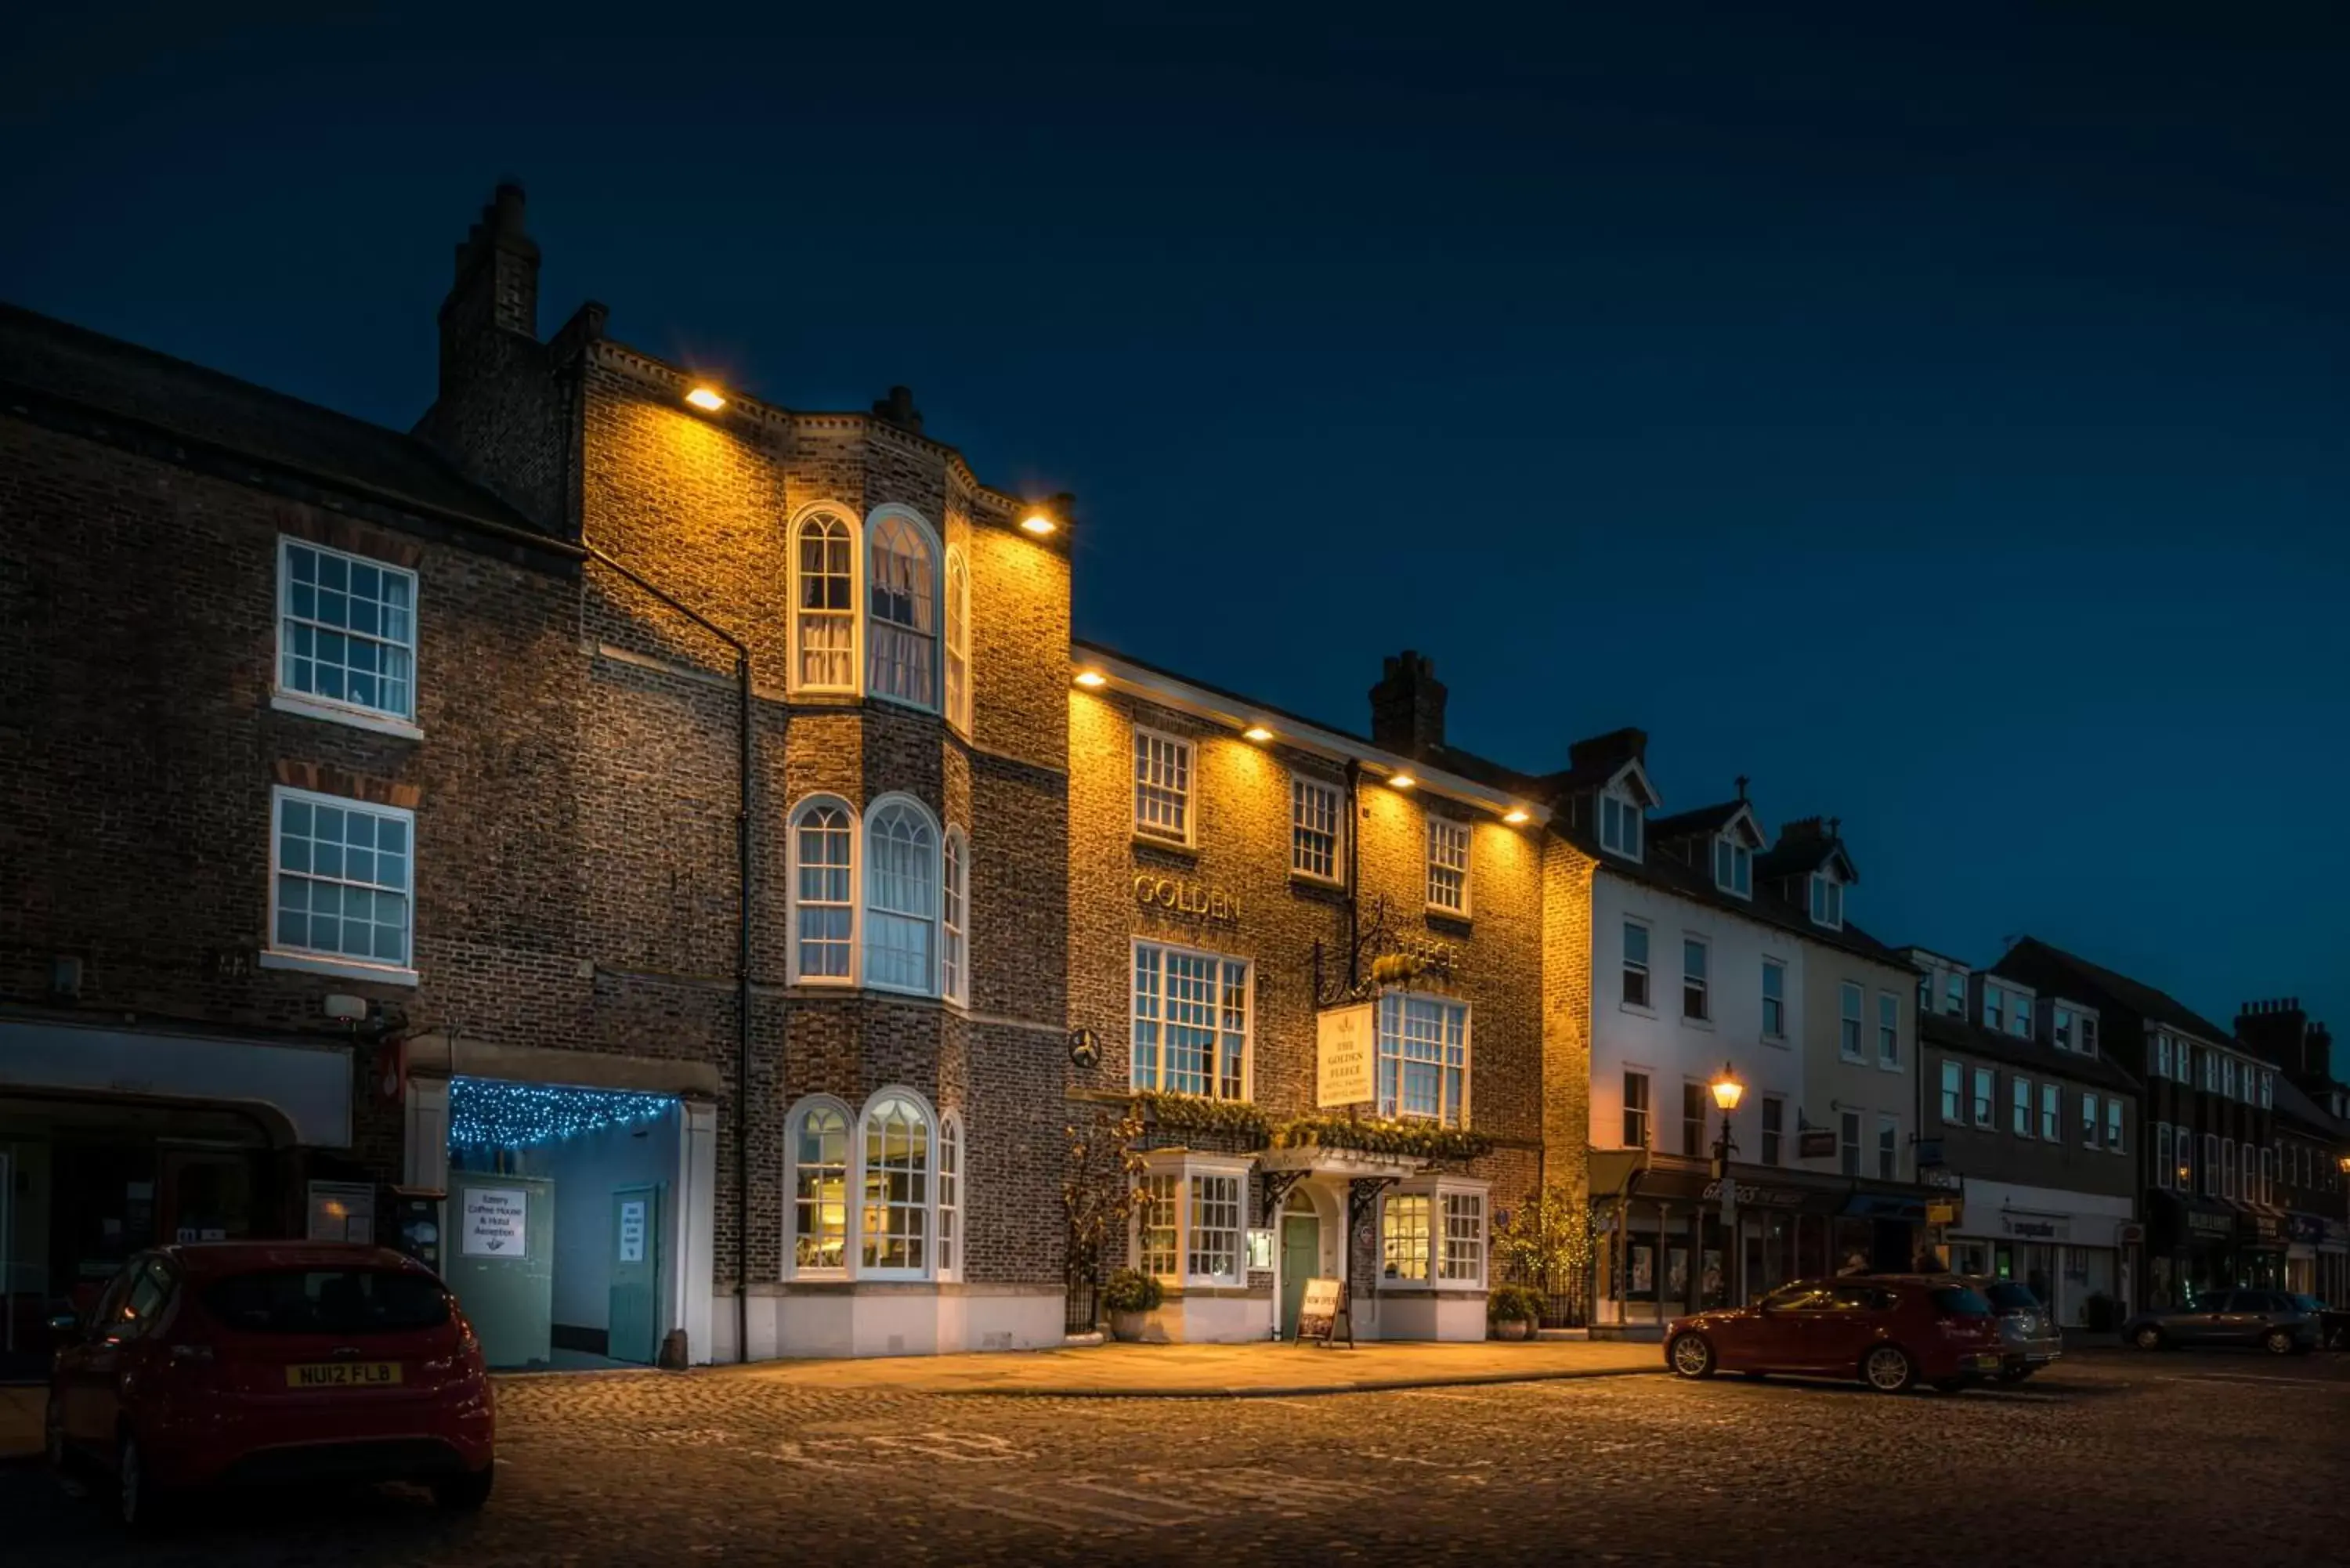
<point x="1727" y="1090"/>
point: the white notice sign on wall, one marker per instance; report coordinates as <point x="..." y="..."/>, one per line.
<point x="632" y="1230"/>
<point x="495" y="1222"/>
<point x="1343" y="1040"/>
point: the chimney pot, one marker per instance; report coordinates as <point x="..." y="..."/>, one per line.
<point x="1407" y="706"/>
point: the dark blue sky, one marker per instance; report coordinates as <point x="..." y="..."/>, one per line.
<point x="1942" y="420"/>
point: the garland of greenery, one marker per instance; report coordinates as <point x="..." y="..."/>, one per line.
<point x="1424" y="1140"/>
<point x="1199" y="1112"/>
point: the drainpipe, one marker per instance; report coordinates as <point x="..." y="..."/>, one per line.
<point x="1354" y="839"/>
<point x="742" y="945"/>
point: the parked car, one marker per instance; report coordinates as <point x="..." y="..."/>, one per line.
<point x="2029" y="1338"/>
<point x="2272" y="1320"/>
<point x="1889" y="1331"/>
<point x="232" y="1363"/>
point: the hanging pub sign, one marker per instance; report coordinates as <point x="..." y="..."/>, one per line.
<point x="1318" y="1313"/>
<point x="1343" y="1046"/>
<point x="1815" y="1143"/>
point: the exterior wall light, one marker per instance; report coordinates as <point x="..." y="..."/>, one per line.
<point x="707" y="399"/>
<point x="1037" y="522"/>
<point x="1401" y="781"/>
<point x="1090" y="678"/>
<point x="1256" y="732"/>
<point x="1517" y="816"/>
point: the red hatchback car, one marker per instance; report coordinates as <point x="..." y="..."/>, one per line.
<point x="234" y="1363"/>
<point x="1889" y="1331"/>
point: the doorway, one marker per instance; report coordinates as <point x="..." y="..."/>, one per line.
<point x="1301" y="1257"/>
<point x="633" y="1333"/>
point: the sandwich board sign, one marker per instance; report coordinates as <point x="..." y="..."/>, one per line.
<point x="1318" y="1313"/>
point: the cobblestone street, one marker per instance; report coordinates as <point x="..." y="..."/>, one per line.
<point x="2125" y="1459"/>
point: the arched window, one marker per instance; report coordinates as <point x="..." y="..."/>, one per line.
<point x="820" y="1152"/>
<point x="955" y="919"/>
<point x="824" y="630"/>
<point x="902" y="646"/>
<point x="894" y="1209"/>
<point x="950" y="1195"/>
<point x="958" y="641"/>
<point x="823" y="892"/>
<point x="902" y="898"/>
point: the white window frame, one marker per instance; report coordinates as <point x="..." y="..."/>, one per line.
<point x="339" y="710"/>
<point x="2161" y="1055"/>
<point x="928" y="1207"/>
<point x="852" y="1136"/>
<point x="1648" y="1111"/>
<point x="1214" y="1074"/>
<point x="2163" y="1157"/>
<point x="1185" y="1167"/>
<point x="867" y="909"/>
<point x="1447" y="1114"/>
<point x="1643" y="966"/>
<point x="2020" y="1111"/>
<point x="1888" y="1133"/>
<point x="955" y="674"/>
<point x="1186" y="752"/>
<point x="954" y="916"/>
<point x="1827" y="901"/>
<point x="1954" y="1092"/>
<point x="272" y="954"/>
<point x="1852" y="1021"/>
<point x="2116" y="1126"/>
<point x="1622" y="825"/>
<point x="1994" y="1009"/>
<point x="1438" y="1190"/>
<point x="928" y="537"/>
<point x="1849" y="1150"/>
<point x="1888" y="1031"/>
<point x="949" y="1202"/>
<point x="1982" y="1101"/>
<point x="2052" y="1112"/>
<point x="795" y="970"/>
<point x="1773" y="1151"/>
<point x="1303" y="788"/>
<point x="1441" y="838"/>
<point x="1734" y="867"/>
<point x="2211" y="1183"/>
<point x="2085" y="1024"/>
<point x="1778" y="1035"/>
<point x="820" y="512"/>
<point x="1699" y="982"/>
<point x="2092" y="1123"/>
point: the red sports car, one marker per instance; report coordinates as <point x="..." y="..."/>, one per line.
<point x="1889" y="1331"/>
<point x="255" y="1362"/>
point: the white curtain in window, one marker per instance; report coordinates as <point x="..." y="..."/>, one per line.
<point x="826" y="626"/>
<point x="958" y="641"/>
<point x="902" y="645"/>
<point x="901" y="899"/>
<point x="824" y="899"/>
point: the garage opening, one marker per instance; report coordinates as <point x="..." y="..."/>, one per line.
<point x="562" y="1239"/>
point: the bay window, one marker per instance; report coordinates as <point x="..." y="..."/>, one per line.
<point x="876" y="1196"/>
<point x="901" y="638"/>
<point x="1432" y="1234"/>
<point x="1191" y="1220"/>
<point x="824" y="606"/>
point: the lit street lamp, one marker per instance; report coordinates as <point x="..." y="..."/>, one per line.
<point x="1726" y="1091"/>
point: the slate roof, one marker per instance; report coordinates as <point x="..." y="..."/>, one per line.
<point x="2032" y="1055"/>
<point x="2292" y="1101"/>
<point x="2042" y="968"/>
<point x="1703" y="820"/>
<point x="47" y="357"/>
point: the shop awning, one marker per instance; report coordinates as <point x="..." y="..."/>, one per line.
<point x="1667" y="1178"/>
<point x="1886" y="1206"/>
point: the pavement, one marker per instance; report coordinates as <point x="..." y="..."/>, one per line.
<point x="2106" y="1458"/>
<point x="20" y="1421"/>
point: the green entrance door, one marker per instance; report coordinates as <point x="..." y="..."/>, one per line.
<point x="635" y="1312"/>
<point x="500" y="1262"/>
<point x="1301" y="1259"/>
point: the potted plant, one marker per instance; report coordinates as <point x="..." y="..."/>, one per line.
<point x="1130" y="1296"/>
<point x="1512" y="1311"/>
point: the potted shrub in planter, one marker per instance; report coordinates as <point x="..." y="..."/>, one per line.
<point x="1130" y="1296"/>
<point x="1512" y="1312"/>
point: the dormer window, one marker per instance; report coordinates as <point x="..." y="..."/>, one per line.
<point x="1827" y="901"/>
<point x="1619" y="825"/>
<point x="1734" y="867"/>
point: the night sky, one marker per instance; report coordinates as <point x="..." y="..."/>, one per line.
<point x="1942" y="420"/>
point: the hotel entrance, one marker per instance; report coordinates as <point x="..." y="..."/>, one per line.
<point x="1301" y="1256"/>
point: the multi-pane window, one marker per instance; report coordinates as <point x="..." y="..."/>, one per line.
<point x="1636" y="965"/>
<point x="2089" y="1121"/>
<point x="2210" y="1165"/>
<point x="2022" y="1117"/>
<point x="1774" y="1000"/>
<point x="1215" y="1227"/>
<point x="823" y="891"/>
<point x="1954" y="996"/>
<point x="1159" y="1241"/>
<point x="1403" y="1237"/>
<point x="2164" y="1159"/>
<point x="1848" y="1143"/>
<point x="1889" y="1147"/>
<point x="1981" y="1096"/>
<point x="2268" y="1091"/>
<point x="1991" y="1013"/>
<point x="1889" y="1029"/>
<point x="820" y="1190"/>
<point x="1734" y="867"/>
<point x="1313" y="828"/>
<point x="347" y="629"/>
<point x="2227" y="1168"/>
<point x="825" y="606"/>
<point x="2114" y="1125"/>
<point x="1774" y="1127"/>
<point x="1693" y="1098"/>
<point x="955" y="920"/>
<point x="901" y="646"/>
<point x="1162" y="787"/>
<point x="344" y="872"/>
<point x="1850" y="1002"/>
<point x="950" y="1195"/>
<point x="2162" y="1055"/>
<point x="1619" y="825"/>
<point x="894" y="1214"/>
<point x="2088" y="1027"/>
<point x="1447" y="865"/>
<point x="2019" y="1015"/>
<point x="2059" y="1028"/>
<point x="1636" y="1110"/>
<point x="958" y="642"/>
<point x="1463" y="1257"/>
<point x="2052" y="1112"/>
<point x="1190" y="1022"/>
<point x="1827" y="901"/>
<point x="1952" y="1091"/>
<point x="1693" y="995"/>
<point x="901" y="899"/>
<point x="1423" y="1061"/>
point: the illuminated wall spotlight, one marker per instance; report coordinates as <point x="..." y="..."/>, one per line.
<point x="1037" y="522"/>
<point x="707" y="399"/>
<point x="1401" y="781"/>
<point x="1517" y="816"/>
<point x="1256" y="732"/>
<point x="1092" y="678"/>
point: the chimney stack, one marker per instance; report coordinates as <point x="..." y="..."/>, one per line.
<point x="898" y="408"/>
<point x="1408" y="707"/>
<point x="496" y="284"/>
<point x="2279" y="1030"/>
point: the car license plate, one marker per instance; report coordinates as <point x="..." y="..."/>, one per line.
<point x="1986" y="1364"/>
<point x="343" y="1375"/>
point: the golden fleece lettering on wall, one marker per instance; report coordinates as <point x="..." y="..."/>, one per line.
<point x="1195" y="899"/>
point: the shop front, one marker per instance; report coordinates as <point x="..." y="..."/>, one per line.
<point x="2069" y="1247"/>
<point x="2195" y="1245"/>
<point x="2317" y="1257"/>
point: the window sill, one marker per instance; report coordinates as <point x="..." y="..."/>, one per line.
<point x="1316" y="882"/>
<point x="1451" y="917"/>
<point x="345" y="969"/>
<point x="1704" y="1023"/>
<point x="1777" y="1042"/>
<point x="1885" y="1066"/>
<point x="339" y="714"/>
<point x="1852" y="1061"/>
<point x="1167" y="845"/>
<point x="1636" y="1009"/>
